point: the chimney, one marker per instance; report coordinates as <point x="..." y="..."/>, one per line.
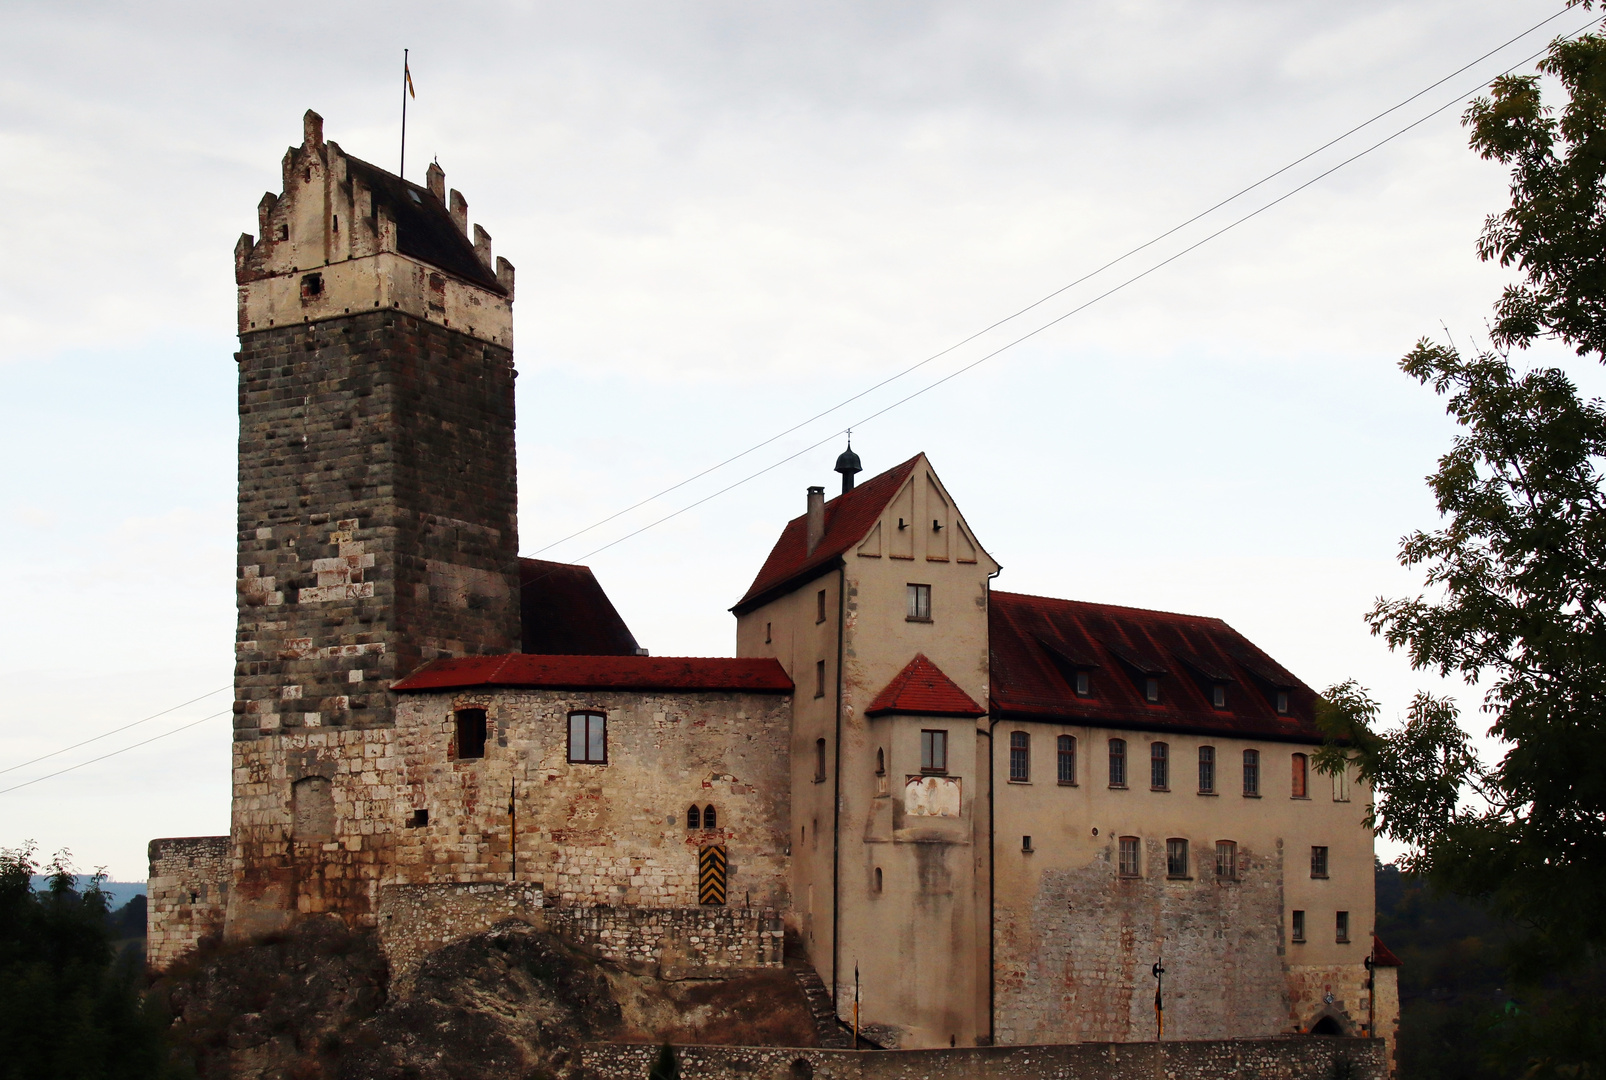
<point x="482" y="246"/>
<point x="435" y="180"/>
<point x="816" y="523"/>
<point x="459" y="208"/>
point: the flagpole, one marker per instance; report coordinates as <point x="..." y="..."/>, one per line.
<point x="402" y="171"/>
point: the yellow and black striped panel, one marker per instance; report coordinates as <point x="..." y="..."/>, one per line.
<point x="711" y="874"/>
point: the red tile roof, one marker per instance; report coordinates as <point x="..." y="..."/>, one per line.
<point x="1382" y="955"/>
<point x="921" y="689"/>
<point x="1039" y="644"/>
<point x="848" y="518"/>
<point x="563" y="610"/>
<point x="756" y="675"/>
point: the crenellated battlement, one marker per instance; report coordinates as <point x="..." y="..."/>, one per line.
<point x="345" y="236"/>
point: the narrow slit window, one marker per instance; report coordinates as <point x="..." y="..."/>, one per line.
<point x="819" y="678"/>
<point x="588" y="738"/>
<point x="768" y="637"/>
<point x="1020" y="757"/>
<point x="1159" y="767"/>
<point x="1118" y="763"/>
<point x="880" y="771"/>
<point x="1129" y="850"/>
<point x="1252" y="773"/>
<point x="919" y="603"/>
<point x="1341" y="785"/>
<point x="1298" y="786"/>
<point x="819" y="606"/>
<point x="470" y="734"/>
<point x="878" y="879"/>
<point x="1207" y="770"/>
<point x="1299" y="926"/>
<point x="934" y="751"/>
<point x="1067" y="759"/>
<point x="819" y="760"/>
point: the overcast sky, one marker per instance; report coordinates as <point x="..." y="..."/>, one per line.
<point x="727" y="218"/>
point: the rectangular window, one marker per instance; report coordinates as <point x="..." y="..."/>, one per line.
<point x="934" y="751"/>
<point x="1342" y="928"/>
<point x="1282" y="703"/>
<point x="1083" y="684"/>
<point x="1159" y="767"/>
<point x="819" y="761"/>
<point x="1067" y="759"/>
<point x="470" y="741"/>
<point x="819" y="606"/>
<point x="1226" y="860"/>
<point x="819" y="678"/>
<point x="588" y="738"/>
<point x="1252" y="773"/>
<point x="1207" y="770"/>
<point x="768" y="639"/>
<point x="1341" y="785"/>
<point x="1118" y="763"/>
<point x="1218" y="696"/>
<point x="1129" y="856"/>
<point x="1176" y="858"/>
<point x="920" y="603"/>
<point x="1026" y="843"/>
<point x="1151" y="689"/>
<point x="1318" y="862"/>
<point x="1020" y="757"/>
<point x="1299" y="926"/>
<point x="1298" y="787"/>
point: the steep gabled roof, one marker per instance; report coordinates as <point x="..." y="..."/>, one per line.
<point x="1039" y="644"/>
<point x="424" y="228"/>
<point x="921" y="689"/>
<point x="563" y="611"/>
<point x="1382" y="955"/>
<point x="848" y="518"/>
<point x="754" y="675"/>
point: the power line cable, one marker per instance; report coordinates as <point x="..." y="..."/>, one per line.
<point x="1086" y="304"/>
<point x="1064" y="288"/>
<point x="114" y="753"/>
<point x="113" y="731"/>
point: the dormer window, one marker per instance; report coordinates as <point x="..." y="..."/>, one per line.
<point x="1084" y="685"/>
<point x="1282" y="703"/>
<point x="1218" y="695"/>
<point x="1151" y="689"/>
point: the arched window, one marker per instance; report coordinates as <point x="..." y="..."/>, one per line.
<point x="878" y="879"/>
<point x="694" y="817"/>
<point x="1020" y="757"/>
<point x="1118" y="763"/>
<point x="1159" y="766"/>
<point x="1067" y="759"/>
<point x="709" y="820"/>
<point x="1299" y="778"/>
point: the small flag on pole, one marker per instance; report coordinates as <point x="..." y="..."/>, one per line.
<point x="407" y="72"/>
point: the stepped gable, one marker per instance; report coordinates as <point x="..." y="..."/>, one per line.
<point x="921" y="689"/>
<point x="1039" y="644"/>
<point x="563" y="611"/>
<point x="753" y="675"/>
<point x="848" y="518"/>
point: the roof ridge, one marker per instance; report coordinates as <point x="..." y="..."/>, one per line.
<point x="1117" y="607"/>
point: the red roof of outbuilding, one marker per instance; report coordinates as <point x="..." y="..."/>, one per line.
<point x="756" y="675"/>
<point x="1040" y="644"/>
<point x="1382" y="955"/>
<point x="848" y="517"/>
<point x="921" y="689"/>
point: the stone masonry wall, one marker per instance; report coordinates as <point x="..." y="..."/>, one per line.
<point x="1297" y="1058"/>
<point x="599" y="834"/>
<point x="1076" y="965"/>
<point x="377" y="530"/>
<point x="187" y="893"/>
<point x="416" y="920"/>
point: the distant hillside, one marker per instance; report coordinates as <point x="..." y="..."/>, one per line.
<point x="117" y="893"/>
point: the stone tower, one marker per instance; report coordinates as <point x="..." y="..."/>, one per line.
<point x="378" y="520"/>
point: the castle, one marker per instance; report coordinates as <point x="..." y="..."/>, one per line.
<point x="982" y="817"/>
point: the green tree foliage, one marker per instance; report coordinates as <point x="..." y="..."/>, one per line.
<point x="70" y="1009"/>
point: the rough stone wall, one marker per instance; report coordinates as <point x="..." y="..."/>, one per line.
<point x="676" y="942"/>
<point x="188" y="893"/>
<point x="1388" y="1013"/>
<point x="1076" y="965"/>
<point x="599" y="834"/>
<point x="377" y="530"/>
<point x="1267" y="1059"/>
<point x="1338" y="991"/>
<point x="416" y="920"/>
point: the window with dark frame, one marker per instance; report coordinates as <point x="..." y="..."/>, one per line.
<point x="1282" y="703"/>
<point x="588" y="738"/>
<point x="710" y="819"/>
<point x="1118" y="763"/>
<point x="1226" y="860"/>
<point x="694" y="817"/>
<point x="469" y="737"/>
<point x="1318" y="862"/>
<point x="880" y="771"/>
<point x="1159" y="767"/>
<point x="1084" y="685"/>
<point x="1218" y="695"/>
<point x="1020" y="757"/>
<point x="1341" y="928"/>
<point x="819" y="761"/>
<point x="1129" y="865"/>
<point x="819" y="606"/>
<point x="1252" y="773"/>
<point x="1299" y="926"/>
<point x="934" y="751"/>
<point x="1176" y="858"/>
<point x="1207" y="770"/>
<point x="819" y="678"/>
<point x="919" y="603"/>
<point x="1067" y="759"/>
<point x="768" y="638"/>
<point x="1299" y="789"/>
<point x="1151" y="689"/>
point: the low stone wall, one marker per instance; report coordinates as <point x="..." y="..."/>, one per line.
<point x="187" y="895"/>
<point x="1294" y="1058"/>
<point x="677" y="941"/>
<point x="415" y="920"/>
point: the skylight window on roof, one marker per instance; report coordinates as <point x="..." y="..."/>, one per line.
<point x="416" y="197"/>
